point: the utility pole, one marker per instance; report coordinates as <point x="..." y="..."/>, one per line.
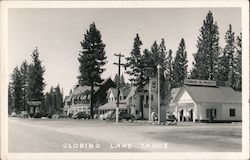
<point x="118" y="85"/>
<point x="159" y="98"/>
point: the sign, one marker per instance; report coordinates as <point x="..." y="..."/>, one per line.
<point x="81" y="101"/>
<point x="197" y="82"/>
<point x="153" y="84"/>
<point x="34" y="103"/>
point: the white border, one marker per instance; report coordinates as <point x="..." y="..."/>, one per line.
<point x="5" y="5"/>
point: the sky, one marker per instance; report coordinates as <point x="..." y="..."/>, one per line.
<point x="58" y="32"/>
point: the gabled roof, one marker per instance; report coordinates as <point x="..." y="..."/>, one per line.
<point x="132" y="91"/>
<point x="211" y="94"/>
<point x="124" y="91"/>
<point x="82" y="89"/>
<point x="174" y="93"/>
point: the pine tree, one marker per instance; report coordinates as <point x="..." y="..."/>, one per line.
<point x="180" y="65"/>
<point x="92" y="59"/>
<point x="24" y="71"/>
<point x="205" y="63"/>
<point x="10" y="99"/>
<point x="58" y="98"/>
<point x="169" y="69"/>
<point x="116" y="79"/>
<point x="147" y="70"/>
<point x="135" y="63"/>
<point x="162" y="61"/>
<point x="47" y="102"/>
<point x="169" y="78"/>
<point x="17" y="89"/>
<point x="238" y="64"/>
<point x="226" y="61"/>
<point x="155" y="56"/>
<point x="36" y="82"/>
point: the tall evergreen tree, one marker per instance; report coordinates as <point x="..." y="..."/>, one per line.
<point x="226" y="61"/>
<point x="36" y="82"/>
<point x="238" y="64"/>
<point x="155" y="56"/>
<point x="24" y="71"/>
<point x="205" y="63"/>
<point x="92" y="59"/>
<point x="10" y="99"/>
<point x="180" y="65"/>
<point x="17" y="89"/>
<point x="148" y="62"/>
<point x="58" y="98"/>
<point x="162" y="61"/>
<point x="122" y="80"/>
<point x="169" y="69"/>
<point x="169" y="78"/>
<point x="135" y="63"/>
<point x="47" y="102"/>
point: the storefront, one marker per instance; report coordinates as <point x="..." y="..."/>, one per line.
<point x="206" y="102"/>
<point x="79" y="99"/>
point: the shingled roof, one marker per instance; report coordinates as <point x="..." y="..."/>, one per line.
<point x="112" y="105"/>
<point x="211" y="94"/>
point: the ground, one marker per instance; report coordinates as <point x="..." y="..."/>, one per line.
<point x="69" y="135"/>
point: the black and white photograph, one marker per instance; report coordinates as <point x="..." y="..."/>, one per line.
<point x="124" y="80"/>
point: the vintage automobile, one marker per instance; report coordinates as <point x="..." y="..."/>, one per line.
<point x="24" y="114"/>
<point x="122" y="115"/>
<point x="171" y="119"/>
<point x="81" y="115"/>
<point x="106" y="115"/>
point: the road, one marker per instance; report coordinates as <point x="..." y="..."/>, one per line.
<point x="68" y="135"/>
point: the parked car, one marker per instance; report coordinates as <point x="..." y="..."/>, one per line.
<point x="81" y="115"/>
<point x="171" y="119"/>
<point x="70" y="115"/>
<point x="106" y="115"/>
<point x="127" y="116"/>
<point x="55" y="116"/>
<point x="24" y="114"/>
<point x="13" y="114"/>
<point x="38" y="115"/>
<point x="122" y="115"/>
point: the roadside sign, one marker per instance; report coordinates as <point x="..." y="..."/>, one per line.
<point x="199" y="82"/>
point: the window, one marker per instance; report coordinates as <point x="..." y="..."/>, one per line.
<point x="232" y="112"/>
<point x="152" y="97"/>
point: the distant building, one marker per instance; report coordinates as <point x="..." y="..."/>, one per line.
<point x="79" y="99"/>
<point x="112" y="100"/>
<point x="205" y="102"/>
<point x="138" y="102"/>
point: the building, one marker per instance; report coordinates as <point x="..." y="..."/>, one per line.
<point x="79" y="99"/>
<point x="138" y="102"/>
<point x="112" y="100"/>
<point x="203" y="101"/>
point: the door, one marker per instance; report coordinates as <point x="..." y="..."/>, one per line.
<point x="191" y="115"/>
<point x="211" y="114"/>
